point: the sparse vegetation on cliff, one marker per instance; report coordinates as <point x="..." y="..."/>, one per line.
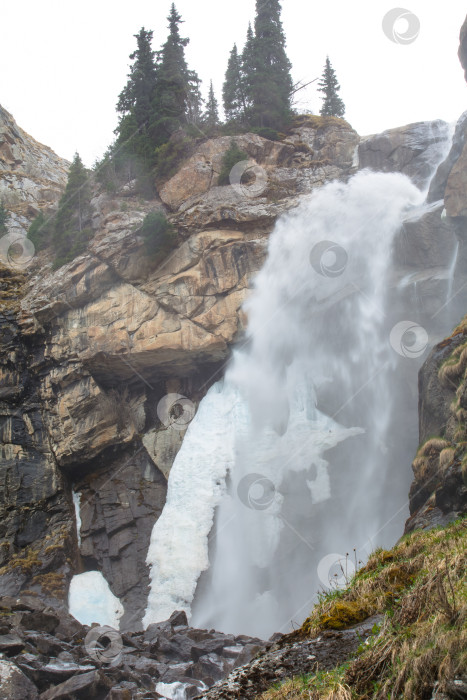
<point x="4" y="215"/>
<point x="72" y="220"/>
<point x="159" y="235"/>
<point x="420" y="589"/>
<point x="231" y="157"/>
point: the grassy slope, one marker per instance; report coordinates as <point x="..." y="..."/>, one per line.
<point x="420" y="588"/>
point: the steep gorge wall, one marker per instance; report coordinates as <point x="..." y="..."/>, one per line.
<point x="88" y="351"/>
<point x="439" y="491"/>
<point x="32" y="176"/>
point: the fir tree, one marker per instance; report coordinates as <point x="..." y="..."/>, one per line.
<point x="211" y="115"/>
<point x="135" y="102"/>
<point x="4" y="215"/>
<point x="248" y="70"/>
<point x="233" y="90"/>
<point x="194" y="113"/>
<point x="177" y="92"/>
<point x="73" y="216"/>
<point x="41" y="230"/>
<point x="328" y="85"/>
<point x="267" y="69"/>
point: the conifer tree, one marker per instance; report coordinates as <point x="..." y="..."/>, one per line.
<point x="233" y="90"/>
<point x="194" y="113"/>
<point x="248" y="68"/>
<point x="211" y="115"/>
<point x="72" y="219"/>
<point x="4" y="215"/>
<point x="177" y="90"/>
<point x="135" y="102"/>
<point x="332" y="106"/>
<point x="267" y="68"/>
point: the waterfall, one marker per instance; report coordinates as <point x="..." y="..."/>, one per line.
<point x="76" y="495"/>
<point x="289" y="462"/>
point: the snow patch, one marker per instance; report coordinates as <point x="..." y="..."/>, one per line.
<point x="91" y="600"/>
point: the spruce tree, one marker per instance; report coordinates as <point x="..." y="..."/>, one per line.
<point x="248" y="70"/>
<point x="71" y="230"/>
<point x="211" y="115"/>
<point x="267" y="70"/>
<point x="194" y="113"/>
<point x="135" y="102"/>
<point x="176" y="98"/>
<point x="4" y="215"/>
<point x="332" y="106"/>
<point x="233" y="90"/>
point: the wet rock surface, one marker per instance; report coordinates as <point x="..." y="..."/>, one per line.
<point x="407" y="149"/>
<point x="438" y="493"/>
<point x="290" y="657"/>
<point x="48" y="654"/>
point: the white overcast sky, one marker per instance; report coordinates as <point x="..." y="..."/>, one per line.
<point x="63" y="63"/>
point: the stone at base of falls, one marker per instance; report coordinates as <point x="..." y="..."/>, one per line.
<point x="291" y="657"/>
<point x="14" y="685"/>
<point x="44" y="654"/>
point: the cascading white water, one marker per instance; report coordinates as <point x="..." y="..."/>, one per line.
<point x="291" y="451"/>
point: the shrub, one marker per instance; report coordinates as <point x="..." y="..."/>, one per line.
<point x="72" y="244"/>
<point x="40" y="230"/>
<point x="231" y="157"/>
<point x="169" y="156"/>
<point x="266" y="132"/>
<point x="158" y="234"/>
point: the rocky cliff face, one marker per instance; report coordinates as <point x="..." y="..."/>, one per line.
<point x="439" y="491"/>
<point x="108" y="336"/>
<point x="90" y="351"/>
<point x="32" y="176"/>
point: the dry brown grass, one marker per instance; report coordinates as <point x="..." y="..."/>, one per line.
<point x="455" y="365"/>
<point x="420" y="588"/>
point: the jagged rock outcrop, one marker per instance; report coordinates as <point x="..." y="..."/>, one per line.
<point x="37" y="534"/>
<point x="317" y="150"/>
<point x="32" y="176"/>
<point x="48" y="654"/>
<point x="290" y="657"/>
<point x="439" y="491"/>
<point x="409" y="149"/>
